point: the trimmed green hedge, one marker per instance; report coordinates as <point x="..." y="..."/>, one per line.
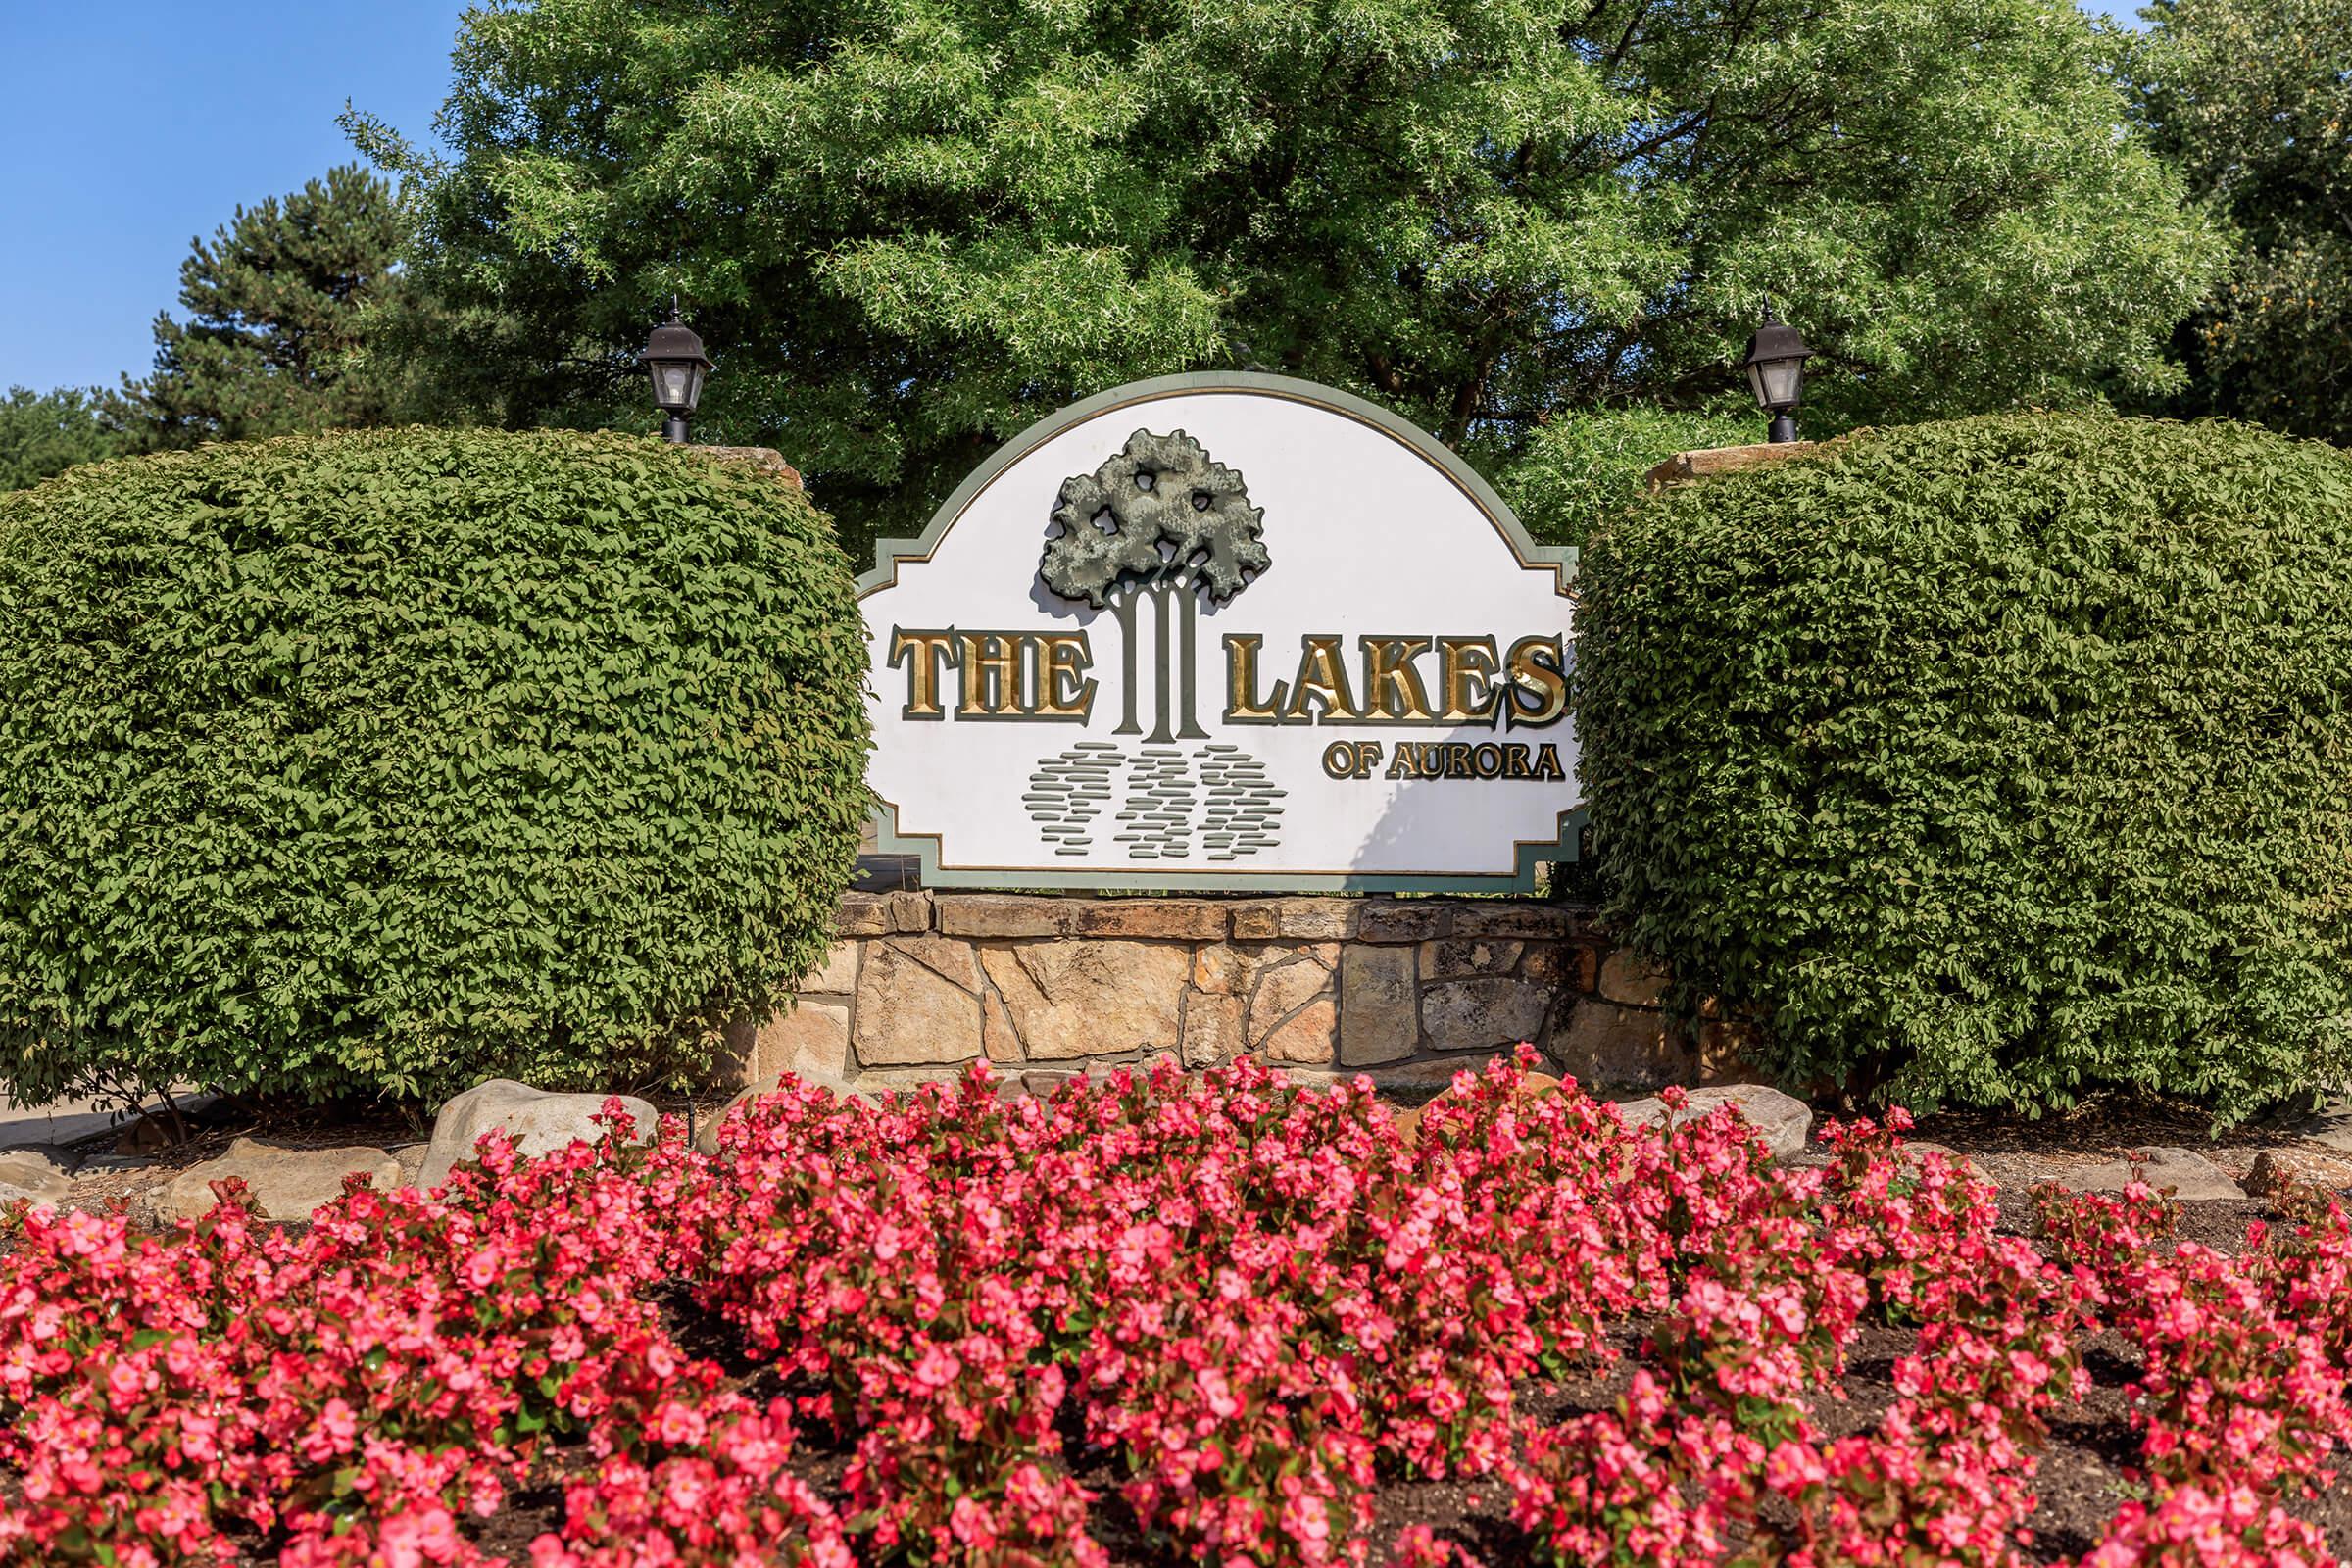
<point x="390" y="761"/>
<point x="1994" y="761"/>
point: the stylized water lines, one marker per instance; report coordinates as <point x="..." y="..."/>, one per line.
<point x="1243" y="815"/>
<point x="1219" y="791"/>
<point x="1067" y="790"/>
<point x="1158" y="809"/>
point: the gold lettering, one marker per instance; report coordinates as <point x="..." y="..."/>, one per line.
<point x="1464" y="664"/>
<point x="1321" y="674"/>
<point x="923" y="649"/>
<point x="1241" y="705"/>
<point x="1063" y="689"/>
<point x="1539" y="684"/>
<point x="992" y="675"/>
<point x="1548" y="761"/>
<point x="1514" y="762"/>
<point x="1391" y="686"/>
<point x="1458" y="761"/>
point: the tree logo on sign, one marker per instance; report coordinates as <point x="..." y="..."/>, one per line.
<point x="1161" y="524"/>
<point x="1159" y="521"/>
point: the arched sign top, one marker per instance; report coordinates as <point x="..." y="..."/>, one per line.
<point x="1223" y="631"/>
<point x="1560" y="559"/>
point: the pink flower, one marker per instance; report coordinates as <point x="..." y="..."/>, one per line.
<point x="970" y="1523"/>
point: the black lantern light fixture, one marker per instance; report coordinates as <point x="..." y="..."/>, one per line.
<point x="1775" y="372"/>
<point x="674" y="359"/>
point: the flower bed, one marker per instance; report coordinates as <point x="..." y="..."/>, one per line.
<point x="1240" y="1311"/>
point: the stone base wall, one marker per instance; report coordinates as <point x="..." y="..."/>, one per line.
<point x="921" y="984"/>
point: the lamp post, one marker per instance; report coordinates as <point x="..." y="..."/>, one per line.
<point x="673" y="358"/>
<point x="1776" y="372"/>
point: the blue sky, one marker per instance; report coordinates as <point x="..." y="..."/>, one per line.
<point x="142" y="124"/>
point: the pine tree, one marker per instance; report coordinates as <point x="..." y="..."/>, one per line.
<point x="43" y="433"/>
<point x="273" y="340"/>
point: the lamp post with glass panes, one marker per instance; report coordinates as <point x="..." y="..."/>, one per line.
<point x="674" y="359"/>
<point x="1776" y="372"/>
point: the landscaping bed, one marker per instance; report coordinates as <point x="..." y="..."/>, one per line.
<point x="1199" y="1318"/>
<point x="2082" y="1475"/>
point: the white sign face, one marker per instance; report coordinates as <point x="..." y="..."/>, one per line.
<point x="1223" y="633"/>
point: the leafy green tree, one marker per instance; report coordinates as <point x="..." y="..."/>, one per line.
<point x="42" y="433"/>
<point x="1587" y="463"/>
<point x="911" y="226"/>
<point x="273" y="341"/>
<point x="2254" y="99"/>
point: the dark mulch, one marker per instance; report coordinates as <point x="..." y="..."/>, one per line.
<point x="2104" y="1122"/>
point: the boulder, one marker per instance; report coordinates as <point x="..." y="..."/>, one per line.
<point x="1603" y="1043"/>
<point x="1212" y="1029"/>
<point x="144" y="1135"/>
<point x="2332" y="1126"/>
<point x="1631" y="980"/>
<point x="811" y="1040"/>
<point x="1463" y="958"/>
<point x="2188" y="1175"/>
<point x="1304" y="1038"/>
<point x="919" y="1003"/>
<point x="705" y="1131"/>
<point x="540" y="1123"/>
<point x="286" y="1182"/>
<point x="2274" y="1168"/>
<point x="34" y="1174"/>
<point x="1912" y="1152"/>
<point x="1785" y="1121"/>
<point x="1379" y="1006"/>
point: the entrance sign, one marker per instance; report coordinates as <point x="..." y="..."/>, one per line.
<point x="1226" y="631"/>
